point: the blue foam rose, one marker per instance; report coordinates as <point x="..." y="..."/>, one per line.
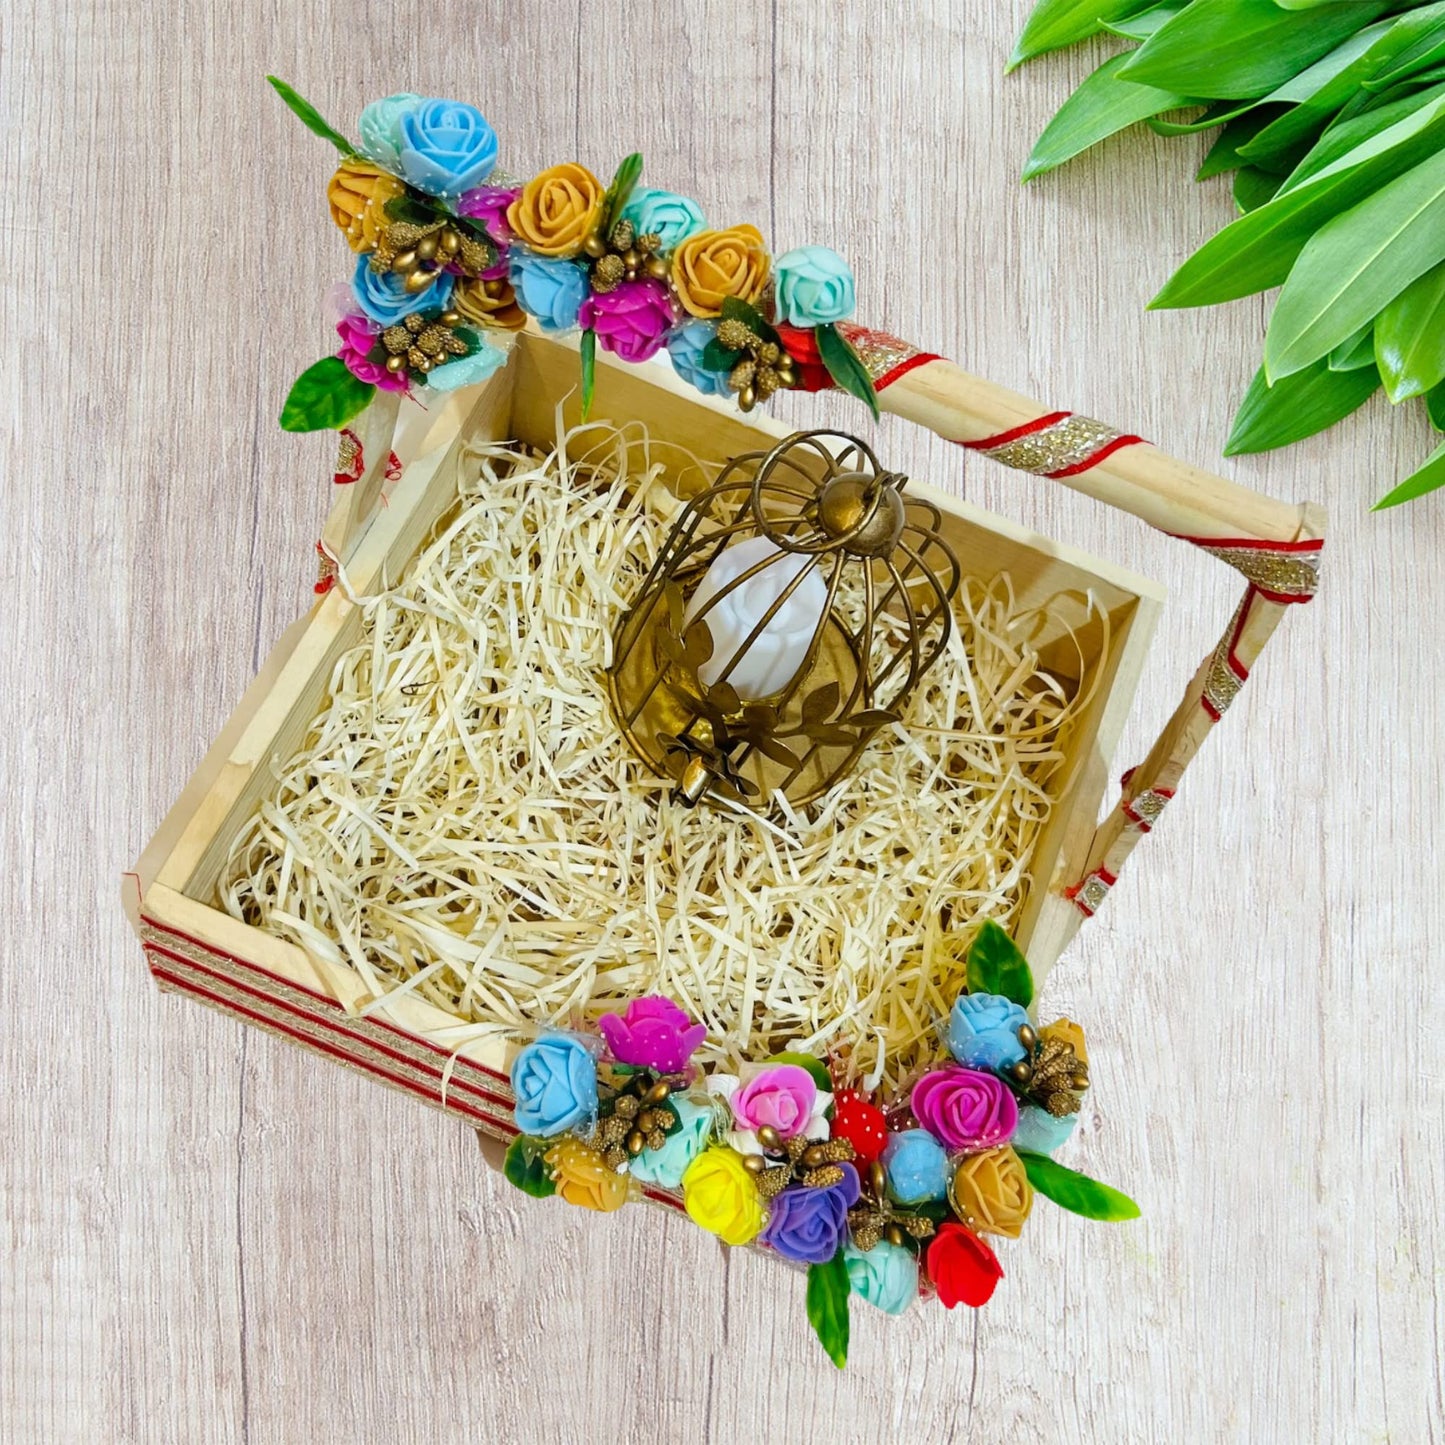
<point x="383" y="297"/>
<point x="666" y="1166"/>
<point x="446" y="147"/>
<point x="673" y="218"/>
<point x="555" y="1081"/>
<point x="815" y="286"/>
<point x="1039" y="1131"/>
<point x="917" y="1167"/>
<point x="885" y="1276"/>
<point x="685" y="347"/>
<point x="983" y="1031"/>
<point x="552" y="291"/>
<point x="380" y="128"/>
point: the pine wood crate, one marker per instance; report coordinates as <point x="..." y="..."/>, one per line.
<point x="195" y="948"/>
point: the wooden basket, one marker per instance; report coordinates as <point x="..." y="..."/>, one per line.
<point x="194" y="947"/>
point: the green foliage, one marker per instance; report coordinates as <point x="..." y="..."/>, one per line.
<point x="1330" y="114"/>
<point x="828" y="1289"/>
<point x="1076" y="1192"/>
<point x="1298" y="405"/>
<point x="588" y="349"/>
<point x="845" y="366"/>
<point x="324" y="395"/>
<point x="311" y="118"/>
<point x="524" y="1167"/>
<point x="995" y="965"/>
<point x="620" y="191"/>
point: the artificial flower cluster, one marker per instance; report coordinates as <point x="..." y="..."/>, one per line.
<point x="882" y="1199"/>
<point x="447" y="247"/>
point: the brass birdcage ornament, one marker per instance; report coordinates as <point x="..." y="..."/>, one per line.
<point x="794" y="608"/>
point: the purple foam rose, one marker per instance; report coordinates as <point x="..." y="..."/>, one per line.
<point x="633" y="321"/>
<point x="653" y="1034"/>
<point x="488" y="204"/>
<point x="965" y="1108"/>
<point x="358" y="336"/>
<point x="807" y="1225"/>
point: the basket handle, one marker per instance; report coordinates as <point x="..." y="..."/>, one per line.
<point x="1274" y="545"/>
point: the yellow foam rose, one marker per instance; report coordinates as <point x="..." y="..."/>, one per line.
<point x="489" y="303"/>
<point x="357" y="195"/>
<point x="712" y="265"/>
<point x="582" y="1177"/>
<point x="1066" y="1031"/>
<point x="991" y="1192"/>
<point x="557" y="210"/>
<point x="721" y="1196"/>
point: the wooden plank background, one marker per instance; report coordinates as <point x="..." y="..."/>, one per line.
<point x="209" y="1237"/>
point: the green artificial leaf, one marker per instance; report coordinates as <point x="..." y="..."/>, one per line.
<point x="1224" y="153"/>
<point x="523" y="1165"/>
<point x="588" y="349"/>
<point x="717" y="357"/>
<point x="1358" y="351"/>
<point x="1102" y="105"/>
<point x="814" y="1065"/>
<point x="1435" y="406"/>
<point x="1244" y="48"/>
<point x="1429" y="478"/>
<point x="324" y="395"/>
<point x="734" y="308"/>
<point x="995" y="964"/>
<point x="828" y="1289"/>
<point x="310" y="117"/>
<point x="1356" y="263"/>
<point x="1146" y="22"/>
<point x="845" y="366"/>
<point x="1076" y="1192"/>
<point x="1297" y="406"/>
<point x="1056" y="23"/>
<point x="1344" y="135"/>
<point x="1410" y="337"/>
<point x="1258" y="250"/>
<point x="1253" y="188"/>
<point x="620" y="191"/>
<point x="413" y="210"/>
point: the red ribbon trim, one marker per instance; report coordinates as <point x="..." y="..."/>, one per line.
<point x="903" y="368"/>
<point x="987" y="444"/>
<point x="1107" y="450"/>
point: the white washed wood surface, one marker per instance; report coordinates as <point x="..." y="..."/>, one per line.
<point x="209" y="1236"/>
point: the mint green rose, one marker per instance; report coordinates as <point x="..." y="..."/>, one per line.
<point x="885" y="1276"/>
<point x="380" y="127"/>
<point x="666" y="1166"/>
<point x="815" y="287"/>
<point x="661" y="213"/>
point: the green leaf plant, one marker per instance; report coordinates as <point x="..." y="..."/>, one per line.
<point x="1330" y="116"/>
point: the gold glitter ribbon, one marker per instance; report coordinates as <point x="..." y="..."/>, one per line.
<point x="1283" y="572"/>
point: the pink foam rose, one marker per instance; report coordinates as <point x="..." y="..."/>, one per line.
<point x="631" y="321"/>
<point x="965" y="1108"/>
<point x="781" y="1096"/>
<point x="358" y="336"/>
<point x="488" y="204"/>
<point x="653" y="1034"/>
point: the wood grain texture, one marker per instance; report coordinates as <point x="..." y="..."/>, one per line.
<point x="209" y="1237"/>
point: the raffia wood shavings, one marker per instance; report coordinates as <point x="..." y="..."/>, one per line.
<point x="465" y="821"/>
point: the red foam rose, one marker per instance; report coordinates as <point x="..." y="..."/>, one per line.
<point x="802" y="346"/>
<point x="962" y="1267"/>
<point x="863" y="1125"/>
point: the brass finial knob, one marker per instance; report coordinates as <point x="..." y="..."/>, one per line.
<point x="863" y="511"/>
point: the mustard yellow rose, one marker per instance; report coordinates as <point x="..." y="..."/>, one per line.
<point x="1066" y="1031"/>
<point x="583" y="1178"/>
<point x="712" y="265"/>
<point x="991" y="1192"/>
<point x="557" y="210"/>
<point x="720" y="1194"/>
<point x="358" y="194"/>
<point x="489" y="303"/>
